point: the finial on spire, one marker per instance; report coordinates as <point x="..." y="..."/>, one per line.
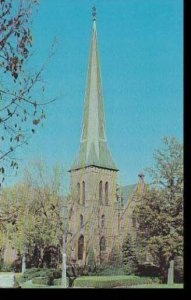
<point x="141" y="175"/>
<point x="94" y="13"/>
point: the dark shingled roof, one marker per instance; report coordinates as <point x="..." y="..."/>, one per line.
<point x="127" y="192"/>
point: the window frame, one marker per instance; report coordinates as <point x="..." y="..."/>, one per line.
<point x="101" y="192"/>
<point x="80" y="247"/>
<point x="106" y="193"/>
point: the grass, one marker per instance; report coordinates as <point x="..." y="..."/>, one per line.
<point x="6" y="279"/>
<point x="158" y="286"/>
<point x="30" y="285"/>
<point x="17" y="276"/>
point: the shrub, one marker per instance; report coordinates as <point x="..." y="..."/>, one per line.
<point x="41" y="280"/>
<point x="178" y="269"/>
<point x="51" y="274"/>
<point x="110" y="270"/>
<point x="31" y="271"/>
<point x="10" y="266"/>
<point x="58" y="282"/>
<point x="6" y="267"/>
<point x="147" y="270"/>
<point x="91" y="262"/>
<point x="115" y="257"/>
<point x="57" y="274"/>
<point x="37" y="272"/>
<point x="112" y="281"/>
<point x="29" y="274"/>
<point x="16" y="265"/>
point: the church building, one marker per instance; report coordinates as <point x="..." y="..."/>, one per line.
<point x="100" y="214"/>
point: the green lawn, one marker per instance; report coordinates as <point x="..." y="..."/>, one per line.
<point x="17" y="275"/>
<point x="6" y="279"/>
<point x="30" y="285"/>
<point x="158" y="286"/>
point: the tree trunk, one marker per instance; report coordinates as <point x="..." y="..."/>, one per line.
<point x="171" y="273"/>
<point x="64" y="278"/>
<point x="6" y="248"/>
<point x="23" y="263"/>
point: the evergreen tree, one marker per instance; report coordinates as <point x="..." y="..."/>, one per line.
<point x="129" y="257"/>
<point x="91" y="263"/>
<point x="115" y="257"/>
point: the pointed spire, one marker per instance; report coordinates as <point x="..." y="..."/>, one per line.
<point x="93" y="144"/>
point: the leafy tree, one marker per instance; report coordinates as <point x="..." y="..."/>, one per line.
<point x="37" y="223"/>
<point x="34" y="224"/>
<point x="20" y="110"/>
<point x="161" y="214"/>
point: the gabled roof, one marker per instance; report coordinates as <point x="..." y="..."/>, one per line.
<point x="127" y="192"/>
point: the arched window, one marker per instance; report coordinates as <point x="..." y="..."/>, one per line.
<point x="102" y="221"/>
<point x="102" y="244"/>
<point x="80" y="247"/>
<point x="78" y="192"/>
<point x="106" y="194"/>
<point x="101" y="192"/>
<point x="81" y="221"/>
<point x="83" y="192"/>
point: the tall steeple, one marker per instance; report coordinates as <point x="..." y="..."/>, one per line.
<point x="93" y="144"/>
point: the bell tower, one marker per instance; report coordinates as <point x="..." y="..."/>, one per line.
<point x="93" y="173"/>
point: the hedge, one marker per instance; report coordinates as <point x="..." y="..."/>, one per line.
<point x="147" y="270"/>
<point x="110" y="271"/>
<point x="58" y="282"/>
<point x="113" y="281"/>
<point x="41" y="280"/>
<point x="29" y="274"/>
<point x="32" y="270"/>
<point x="37" y="272"/>
<point x="46" y="281"/>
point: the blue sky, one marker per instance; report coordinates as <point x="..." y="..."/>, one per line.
<point x="141" y="54"/>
